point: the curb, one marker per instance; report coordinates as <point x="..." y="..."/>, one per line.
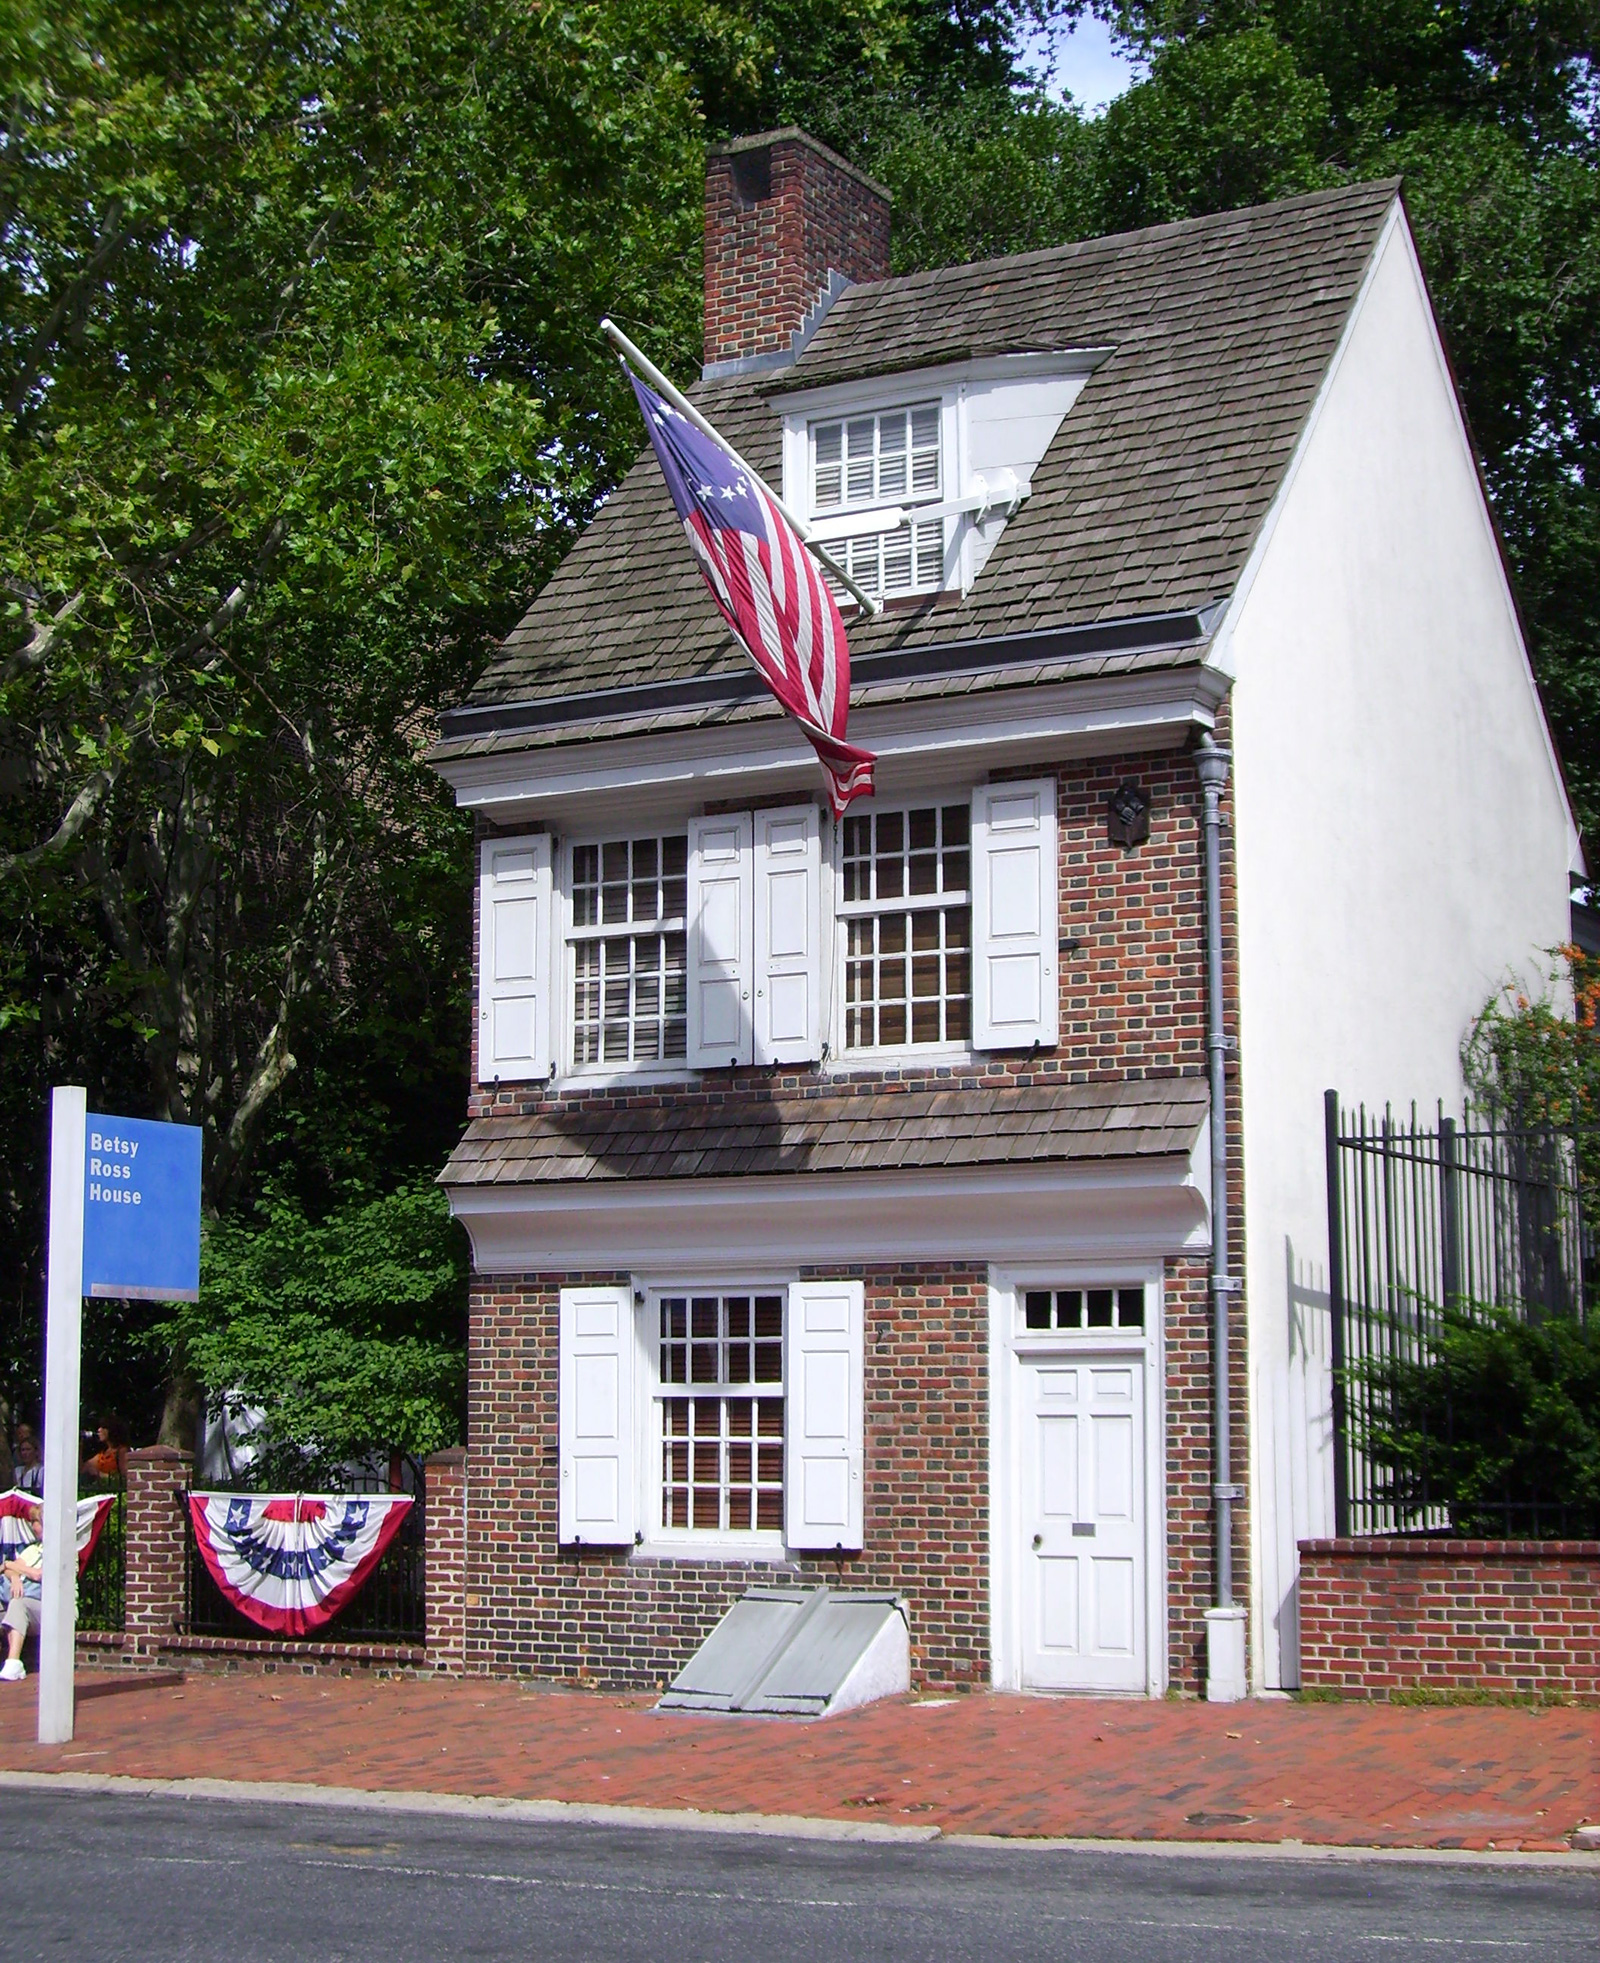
<point x="782" y="1826"/>
<point x="547" y="1812"/>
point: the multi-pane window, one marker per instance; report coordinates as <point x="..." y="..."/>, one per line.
<point x="906" y="912"/>
<point x="629" y="950"/>
<point x="858" y="462"/>
<point x="720" y="1377"/>
<point x="1083" y="1308"/>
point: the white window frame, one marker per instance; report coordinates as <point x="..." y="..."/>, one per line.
<point x="840" y="1057"/>
<point x="564" y="964"/>
<point x="1012" y="1346"/>
<point x="845" y="522"/>
<point x="677" y="1543"/>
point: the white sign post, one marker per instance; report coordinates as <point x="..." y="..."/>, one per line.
<point x="63" y="1341"/>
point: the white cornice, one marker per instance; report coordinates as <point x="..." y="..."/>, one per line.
<point x="1144" y="1208"/>
<point x="916" y="741"/>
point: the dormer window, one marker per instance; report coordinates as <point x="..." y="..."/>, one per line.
<point x="909" y="481"/>
<point x="883" y="465"/>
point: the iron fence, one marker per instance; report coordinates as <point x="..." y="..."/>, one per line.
<point x="102" y="1587"/>
<point x="1427" y="1222"/>
<point x="387" y="1608"/>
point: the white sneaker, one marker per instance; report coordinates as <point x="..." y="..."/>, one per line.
<point x="11" y="1671"/>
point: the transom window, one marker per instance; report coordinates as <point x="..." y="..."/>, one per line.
<point x="907" y="913"/>
<point x="1083" y="1308"/>
<point x="720" y="1392"/>
<point x="629" y="950"/>
<point x="891" y="458"/>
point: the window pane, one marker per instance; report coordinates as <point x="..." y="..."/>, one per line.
<point x="1130" y="1308"/>
<point x="1036" y="1308"/>
<point x="896" y="576"/>
<point x="929" y="537"/>
<point x="859" y="459"/>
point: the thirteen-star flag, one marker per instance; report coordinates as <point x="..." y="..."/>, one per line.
<point x="766" y="586"/>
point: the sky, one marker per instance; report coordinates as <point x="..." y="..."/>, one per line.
<point x="1083" y="64"/>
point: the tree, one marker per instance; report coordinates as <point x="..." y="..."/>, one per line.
<point x="348" y="1333"/>
<point x="302" y="396"/>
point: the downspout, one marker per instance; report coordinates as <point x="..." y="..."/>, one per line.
<point x="1226" y="1678"/>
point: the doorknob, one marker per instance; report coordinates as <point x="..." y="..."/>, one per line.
<point x="1038" y="1540"/>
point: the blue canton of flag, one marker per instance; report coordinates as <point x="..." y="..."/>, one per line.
<point x="766" y="586"/>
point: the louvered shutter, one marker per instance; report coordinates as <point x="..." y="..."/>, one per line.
<point x="1014" y="929"/>
<point x="721" y="941"/>
<point x="514" y="959"/>
<point x="595" y="1415"/>
<point x="824" y="1367"/>
<point x="788" y="965"/>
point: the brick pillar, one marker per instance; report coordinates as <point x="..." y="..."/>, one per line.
<point x="157" y="1547"/>
<point x="445" y="1560"/>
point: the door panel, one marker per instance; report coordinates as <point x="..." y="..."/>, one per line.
<point x="1083" y="1521"/>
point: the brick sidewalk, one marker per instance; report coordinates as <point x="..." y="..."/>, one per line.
<point x="1334" y="1774"/>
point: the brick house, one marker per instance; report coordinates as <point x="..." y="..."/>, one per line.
<point x="844" y="1197"/>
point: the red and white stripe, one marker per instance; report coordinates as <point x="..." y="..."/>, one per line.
<point x="15" y="1532"/>
<point x="291" y="1561"/>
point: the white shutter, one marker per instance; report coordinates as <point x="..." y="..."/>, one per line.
<point x="514" y="959"/>
<point x="824" y="1371"/>
<point x="596" y="1417"/>
<point x="721" y="941"/>
<point x="788" y="965"/>
<point x="1014" y="910"/>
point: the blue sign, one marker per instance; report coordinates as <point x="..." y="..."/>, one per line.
<point x="141" y="1209"/>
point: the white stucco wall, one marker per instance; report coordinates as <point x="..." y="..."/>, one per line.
<point x="1403" y="845"/>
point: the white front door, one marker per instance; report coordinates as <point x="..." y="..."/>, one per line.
<point x="1083" y="1523"/>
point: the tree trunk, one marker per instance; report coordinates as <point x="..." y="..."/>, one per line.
<point x="182" y="1415"/>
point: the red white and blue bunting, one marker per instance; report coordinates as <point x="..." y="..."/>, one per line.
<point x="290" y="1562"/>
<point x="15" y="1531"/>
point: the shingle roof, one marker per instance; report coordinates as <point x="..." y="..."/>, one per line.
<point x="1147" y="502"/>
<point x="873" y="1131"/>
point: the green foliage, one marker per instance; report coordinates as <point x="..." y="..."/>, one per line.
<point x="349" y="1332"/>
<point x="1536" y="1059"/>
<point x="1221" y="123"/>
<point x="302" y="395"/>
<point x="1495" y="1409"/>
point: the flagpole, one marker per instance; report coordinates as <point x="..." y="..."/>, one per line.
<point x="686" y="409"/>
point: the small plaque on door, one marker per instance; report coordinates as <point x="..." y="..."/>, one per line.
<point x="1083" y="1529"/>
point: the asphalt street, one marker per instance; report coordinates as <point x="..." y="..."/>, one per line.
<point x="114" y="1876"/>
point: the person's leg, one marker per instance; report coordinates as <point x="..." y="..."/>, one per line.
<point x="15" y="1622"/>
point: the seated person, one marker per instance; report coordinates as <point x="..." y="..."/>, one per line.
<point x="24" y="1578"/>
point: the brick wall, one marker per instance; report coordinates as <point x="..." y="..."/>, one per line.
<point x="157" y="1550"/>
<point x="611" y="1618"/>
<point x="1517" y="1617"/>
<point x="782" y="213"/>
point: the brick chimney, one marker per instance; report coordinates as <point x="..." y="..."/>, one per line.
<point x="787" y="225"/>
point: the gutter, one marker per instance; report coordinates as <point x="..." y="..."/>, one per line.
<point x="1226" y="1677"/>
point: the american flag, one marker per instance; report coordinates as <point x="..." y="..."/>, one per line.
<point x="766" y="586"/>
